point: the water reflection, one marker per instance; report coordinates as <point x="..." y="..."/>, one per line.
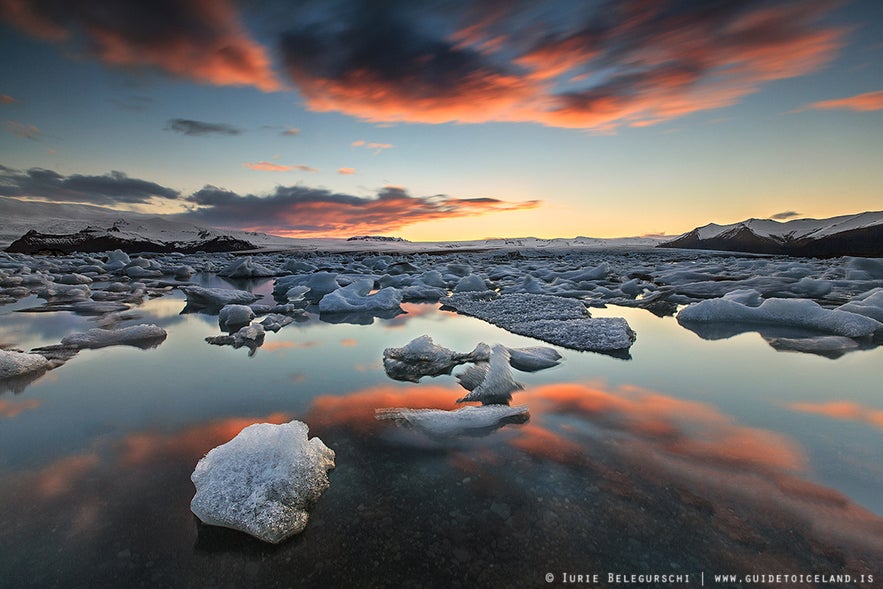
<point x="845" y="410"/>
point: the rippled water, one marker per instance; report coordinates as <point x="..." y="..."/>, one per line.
<point x="693" y="458"/>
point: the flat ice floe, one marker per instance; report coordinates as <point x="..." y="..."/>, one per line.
<point x="466" y="421"/>
<point x="263" y="481"/>
<point x="560" y="321"/>
<point x="140" y="336"/>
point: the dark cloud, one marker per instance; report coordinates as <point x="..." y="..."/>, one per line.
<point x="566" y="64"/>
<point x="785" y="215"/>
<point x="302" y="210"/>
<point x="199" y="128"/>
<point x="109" y="189"/>
<point x="202" y="40"/>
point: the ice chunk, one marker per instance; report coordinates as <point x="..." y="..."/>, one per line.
<point x="864" y="268"/>
<point x="798" y="313"/>
<point x="246" y="268"/>
<point x="466" y="421"/>
<point x="98" y="307"/>
<point x="14" y="364"/>
<point x="869" y="304"/>
<point x="534" y="358"/>
<point x="274" y="322"/>
<point x="498" y="385"/>
<point x="250" y="336"/>
<point x="217" y="297"/>
<point x="559" y="321"/>
<point x="319" y="284"/>
<point x="422" y="357"/>
<point x="184" y="272"/>
<point x="233" y="317"/>
<point x="355" y="298"/>
<point x="263" y="481"/>
<point x="471" y="283"/>
<point x="64" y="292"/>
<point x="141" y="336"/>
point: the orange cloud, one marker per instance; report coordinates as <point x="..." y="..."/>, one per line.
<point x="378" y="147"/>
<point x="302" y="211"/>
<point x="271" y="167"/>
<point x="6" y="99"/>
<point x="22" y="130"/>
<point x="201" y="40"/>
<point x="847" y="410"/>
<point x="633" y="63"/>
<point x="869" y="101"/>
<point x="346" y="171"/>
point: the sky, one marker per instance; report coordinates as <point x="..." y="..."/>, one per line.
<point x="445" y="120"/>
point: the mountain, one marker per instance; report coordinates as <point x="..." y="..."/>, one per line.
<point x="35" y="227"/>
<point x="847" y="235"/>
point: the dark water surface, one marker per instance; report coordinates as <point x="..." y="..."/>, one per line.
<point x="694" y="458"/>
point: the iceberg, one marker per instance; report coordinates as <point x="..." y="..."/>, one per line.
<point x="250" y="336"/>
<point x="869" y="304"/>
<point x="263" y="481"/>
<point x="246" y="268"/>
<point x="14" y="364"/>
<point x="199" y="296"/>
<point x="466" y="421"/>
<point x="794" y="313"/>
<point x="355" y="298"/>
<point x="422" y="357"/>
<point x="233" y="317"/>
<point x="140" y="336"/>
<point x="497" y="386"/>
<point x="533" y="359"/>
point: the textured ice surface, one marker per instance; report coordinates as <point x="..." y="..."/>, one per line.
<point x="559" y="321"/>
<point x="422" y="357"/>
<point x="13" y="364"/>
<point x="497" y="386"/>
<point x="797" y="313"/>
<point x="355" y="298"/>
<point x="263" y="481"/>
<point x="466" y="421"/>
<point x="140" y="336"/>
<point x="250" y="336"/>
<point x="217" y="297"/>
<point x="274" y="322"/>
<point x="869" y="304"/>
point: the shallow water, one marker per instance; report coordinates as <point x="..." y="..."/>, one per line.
<point x="693" y="458"/>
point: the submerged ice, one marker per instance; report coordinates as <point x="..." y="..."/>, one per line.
<point x="263" y="481"/>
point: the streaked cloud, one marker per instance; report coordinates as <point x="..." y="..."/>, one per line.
<point x="200" y="128"/>
<point x="22" y="130"/>
<point x="201" y="40"/>
<point x="7" y="99"/>
<point x="869" y="101"/>
<point x="847" y="410"/>
<point x="301" y="210"/>
<point x="588" y="67"/>
<point x="346" y="171"/>
<point x="110" y="189"/>
<point x="290" y="132"/>
<point x="271" y="167"/>
<point x="374" y="145"/>
<point x="785" y="215"/>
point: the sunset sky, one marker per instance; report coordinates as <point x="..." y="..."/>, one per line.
<point x="446" y="119"/>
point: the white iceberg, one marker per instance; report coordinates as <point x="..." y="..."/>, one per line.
<point x="355" y="298"/>
<point x="140" y="336"/>
<point x="199" y="296"/>
<point x="470" y="421"/>
<point x="14" y="364"/>
<point x="263" y="481"/>
<point x="795" y="313"/>
<point x="497" y="386"/>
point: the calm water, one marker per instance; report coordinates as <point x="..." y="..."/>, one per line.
<point x="693" y="458"/>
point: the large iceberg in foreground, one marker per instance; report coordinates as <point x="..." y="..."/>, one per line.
<point x="263" y="481"/>
<point x="468" y="421"/>
<point x="794" y="313"/>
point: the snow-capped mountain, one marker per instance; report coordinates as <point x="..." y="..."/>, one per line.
<point x="847" y="235"/>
